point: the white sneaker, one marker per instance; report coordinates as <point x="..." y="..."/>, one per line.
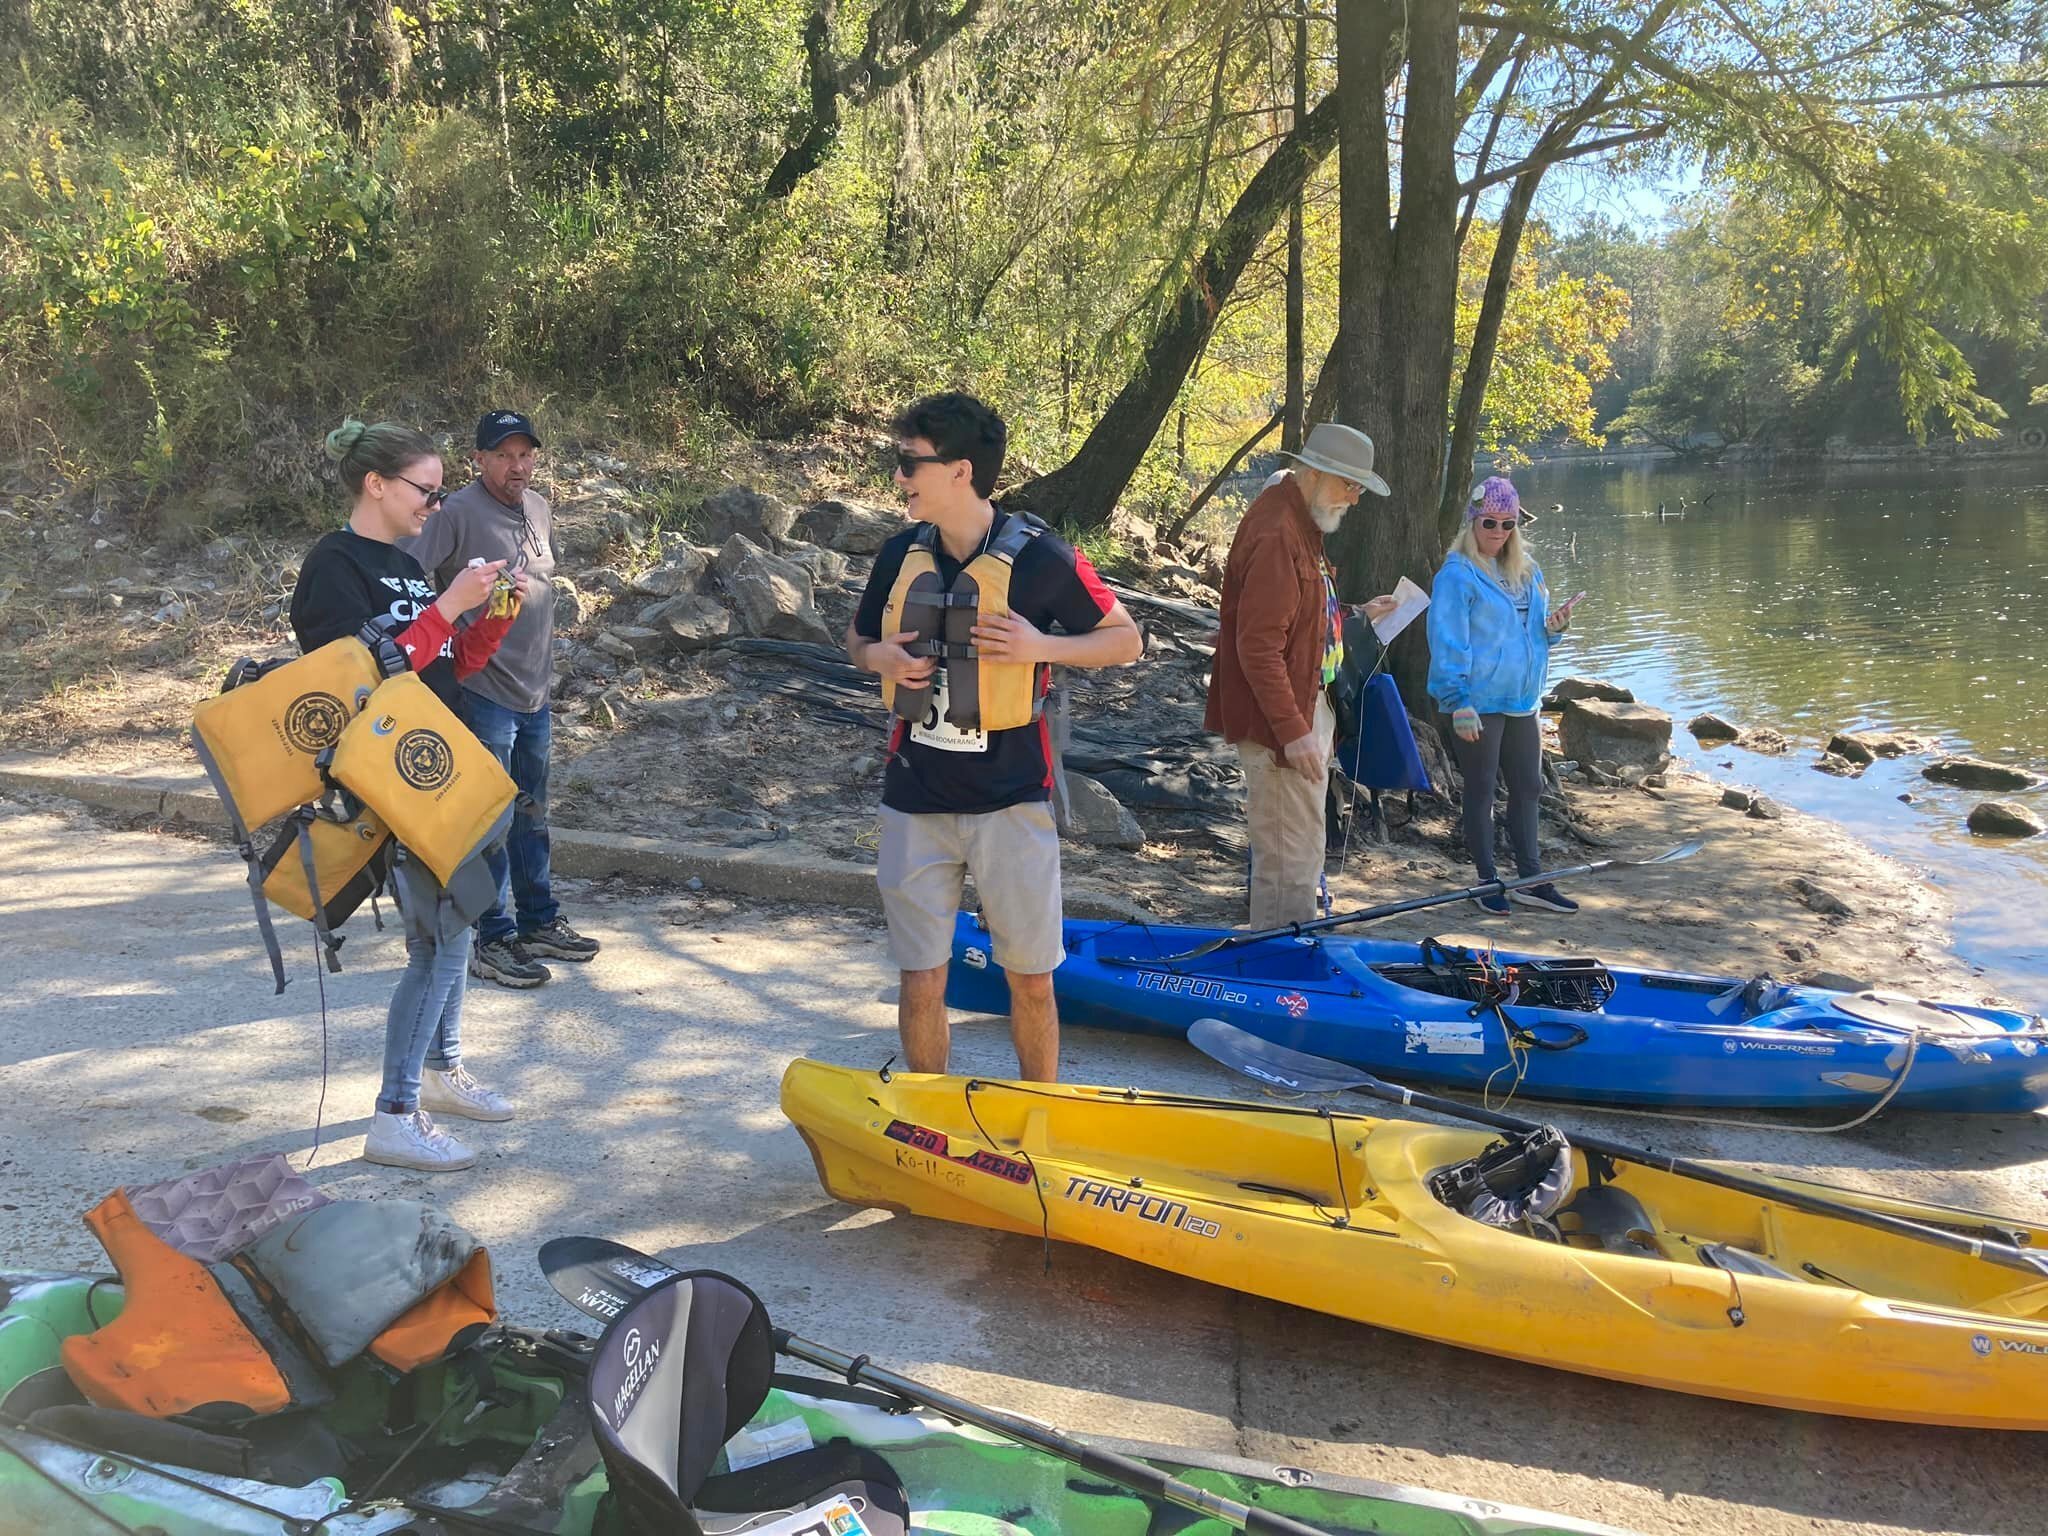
<point x="457" y="1093"/>
<point x="414" y="1141"/>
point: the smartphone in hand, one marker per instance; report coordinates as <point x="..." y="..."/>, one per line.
<point x="1570" y="603"/>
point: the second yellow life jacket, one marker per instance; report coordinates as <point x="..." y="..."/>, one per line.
<point x="980" y="694"/>
<point x="411" y="760"/>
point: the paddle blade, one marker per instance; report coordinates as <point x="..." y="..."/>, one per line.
<point x="1682" y="851"/>
<point x="598" y="1277"/>
<point x="1243" y="1051"/>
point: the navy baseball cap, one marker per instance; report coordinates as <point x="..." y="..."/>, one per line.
<point x="499" y="425"/>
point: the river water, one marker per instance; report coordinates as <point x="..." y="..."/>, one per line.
<point x="1872" y="596"/>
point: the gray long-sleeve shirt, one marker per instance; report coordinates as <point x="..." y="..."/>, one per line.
<point x="472" y="524"/>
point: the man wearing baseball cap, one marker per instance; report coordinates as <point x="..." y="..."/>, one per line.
<point x="1279" y="646"/>
<point x="499" y="516"/>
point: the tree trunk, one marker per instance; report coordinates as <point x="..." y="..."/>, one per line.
<point x="1493" y="304"/>
<point x="1294" y="414"/>
<point x="1397" y="296"/>
<point x="494" y="16"/>
<point x="812" y="134"/>
<point x="374" y="57"/>
<point x="1084" y="490"/>
<point x="17" y="34"/>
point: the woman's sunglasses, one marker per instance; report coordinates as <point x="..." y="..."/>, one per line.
<point x="1495" y="525"/>
<point x="434" y="494"/>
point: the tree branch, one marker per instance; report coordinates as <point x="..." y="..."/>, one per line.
<point x="1540" y="160"/>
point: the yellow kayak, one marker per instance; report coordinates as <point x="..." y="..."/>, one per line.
<point x="1641" y="1276"/>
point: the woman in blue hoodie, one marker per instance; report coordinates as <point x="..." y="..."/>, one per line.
<point x="1490" y="633"/>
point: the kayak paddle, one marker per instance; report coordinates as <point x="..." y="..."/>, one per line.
<point x="1242" y="1051"/>
<point x="601" y="1279"/>
<point x="1396" y="908"/>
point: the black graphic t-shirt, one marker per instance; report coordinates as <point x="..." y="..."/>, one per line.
<point x="940" y="770"/>
<point x="347" y="580"/>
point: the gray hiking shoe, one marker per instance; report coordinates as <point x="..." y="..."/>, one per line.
<point x="506" y="962"/>
<point x="558" y="941"/>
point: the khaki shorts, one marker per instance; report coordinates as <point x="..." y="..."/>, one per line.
<point x="1014" y="856"/>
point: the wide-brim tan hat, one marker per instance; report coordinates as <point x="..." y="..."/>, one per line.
<point x="1344" y="452"/>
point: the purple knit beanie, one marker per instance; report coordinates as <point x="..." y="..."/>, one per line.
<point x="1495" y="498"/>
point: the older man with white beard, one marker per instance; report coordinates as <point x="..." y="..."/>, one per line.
<point x="1279" y="648"/>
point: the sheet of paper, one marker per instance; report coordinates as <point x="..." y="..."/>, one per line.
<point x="1412" y="600"/>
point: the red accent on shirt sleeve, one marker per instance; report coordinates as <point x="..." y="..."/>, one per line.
<point x="1104" y="598"/>
<point x="478" y="643"/>
<point x="422" y="639"/>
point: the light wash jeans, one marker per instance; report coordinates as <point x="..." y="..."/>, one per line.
<point x="424" y="1027"/>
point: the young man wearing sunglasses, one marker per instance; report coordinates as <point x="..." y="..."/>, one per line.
<point x="1278" y="648"/>
<point x="499" y="516"/>
<point x="962" y="793"/>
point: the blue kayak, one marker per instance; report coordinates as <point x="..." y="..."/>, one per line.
<point x="1546" y="1027"/>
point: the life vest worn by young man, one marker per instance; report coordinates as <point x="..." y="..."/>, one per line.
<point x="982" y="695"/>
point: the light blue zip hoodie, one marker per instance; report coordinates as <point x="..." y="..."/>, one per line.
<point x="1482" y="653"/>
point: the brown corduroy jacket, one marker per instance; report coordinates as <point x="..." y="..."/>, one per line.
<point x="1269" y="652"/>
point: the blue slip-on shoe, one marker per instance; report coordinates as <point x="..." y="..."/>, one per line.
<point x="1546" y="896"/>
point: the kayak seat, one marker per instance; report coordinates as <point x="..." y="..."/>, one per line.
<point x="675" y="1376"/>
<point x="1614" y="1219"/>
<point x="179" y="1345"/>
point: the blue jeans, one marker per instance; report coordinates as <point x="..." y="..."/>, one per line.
<point x="521" y="866"/>
<point x="424" y="1027"/>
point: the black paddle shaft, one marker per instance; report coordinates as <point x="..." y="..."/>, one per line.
<point x="602" y="1279"/>
<point x="1257" y="1058"/>
<point x="1132" y="1473"/>
<point x="1397" y="908"/>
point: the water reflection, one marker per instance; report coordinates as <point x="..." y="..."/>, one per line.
<point x="1869" y="596"/>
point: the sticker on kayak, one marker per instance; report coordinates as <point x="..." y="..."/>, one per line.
<point x="1983" y="1344"/>
<point x="834" y="1517"/>
<point x="976" y="959"/>
<point x="1446" y="1037"/>
<point x="1295" y="1004"/>
<point x="1188" y="986"/>
<point x="1136" y="1202"/>
<point x="938" y="1150"/>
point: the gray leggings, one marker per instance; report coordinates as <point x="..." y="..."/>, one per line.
<point x="1513" y="743"/>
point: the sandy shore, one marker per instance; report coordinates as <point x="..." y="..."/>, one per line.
<point x="142" y="1039"/>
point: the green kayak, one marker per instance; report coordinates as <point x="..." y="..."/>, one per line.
<point x="505" y="1436"/>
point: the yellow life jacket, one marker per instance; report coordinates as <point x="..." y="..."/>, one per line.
<point x="983" y="695"/>
<point x="261" y="737"/>
<point x="322" y="868"/>
<point x="409" y="759"/>
<point x="261" y="741"/>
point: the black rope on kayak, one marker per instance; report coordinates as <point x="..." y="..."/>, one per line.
<point x="460" y="1399"/>
<point x="854" y="1367"/>
<point x="1136" y="1099"/>
<point x="291" y="1523"/>
<point x="1037" y="1186"/>
<point x="65" y="1488"/>
<point x="1337" y="1158"/>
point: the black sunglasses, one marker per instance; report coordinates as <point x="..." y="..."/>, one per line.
<point x="907" y="463"/>
<point x="435" y="495"/>
<point x="1492" y="525"/>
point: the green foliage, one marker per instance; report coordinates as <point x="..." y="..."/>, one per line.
<point x="223" y="223"/>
